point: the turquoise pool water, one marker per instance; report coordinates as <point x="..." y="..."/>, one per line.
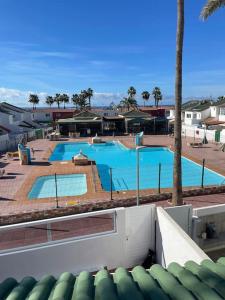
<point x="123" y="163"/>
<point x="67" y="185"/>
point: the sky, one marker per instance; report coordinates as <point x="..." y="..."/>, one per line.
<point x="55" y="46"/>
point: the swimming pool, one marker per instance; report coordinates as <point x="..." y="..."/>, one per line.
<point x="123" y="163"/>
<point x="67" y="185"/>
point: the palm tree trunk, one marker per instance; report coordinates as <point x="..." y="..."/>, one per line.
<point x="177" y="171"/>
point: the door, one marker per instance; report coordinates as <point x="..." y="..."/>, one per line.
<point x="217" y="136"/>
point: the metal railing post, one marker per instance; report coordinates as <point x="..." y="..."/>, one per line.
<point x="138" y="174"/>
<point x="203" y="173"/>
<point x="159" y="181"/>
<point x="111" y="183"/>
<point x="56" y="192"/>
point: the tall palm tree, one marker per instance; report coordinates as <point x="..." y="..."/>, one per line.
<point x="58" y="99"/>
<point x="145" y="95"/>
<point x="65" y="99"/>
<point x="131" y="91"/>
<point x="177" y="168"/>
<point x="128" y="102"/>
<point x="49" y="100"/>
<point x="33" y="98"/>
<point x="83" y="100"/>
<point x="90" y="93"/>
<point x="210" y="7"/>
<point x="157" y="95"/>
<point x="75" y="99"/>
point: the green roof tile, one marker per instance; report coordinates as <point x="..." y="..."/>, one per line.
<point x="193" y="281"/>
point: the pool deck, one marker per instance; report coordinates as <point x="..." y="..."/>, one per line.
<point x="18" y="180"/>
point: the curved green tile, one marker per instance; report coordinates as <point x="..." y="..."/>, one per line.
<point x="42" y="289"/>
<point x="6" y="286"/>
<point x="126" y="287"/>
<point x="63" y="288"/>
<point x="22" y="289"/>
<point x="84" y="287"/>
<point x="104" y="286"/>
<point x="192" y="283"/>
<point x="217" y="268"/>
<point x="169" y="284"/>
<point x="147" y="285"/>
<point x="208" y="277"/>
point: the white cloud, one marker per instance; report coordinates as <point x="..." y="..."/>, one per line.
<point x="17" y="97"/>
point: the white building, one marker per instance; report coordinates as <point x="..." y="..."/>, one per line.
<point x="197" y="113"/>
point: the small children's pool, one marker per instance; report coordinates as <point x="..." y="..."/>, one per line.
<point x="67" y="185"/>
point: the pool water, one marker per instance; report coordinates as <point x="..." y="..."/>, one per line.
<point x="67" y="185"/>
<point x="123" y="163"/>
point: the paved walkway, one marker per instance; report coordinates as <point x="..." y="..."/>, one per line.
<point x="17" y="174"/>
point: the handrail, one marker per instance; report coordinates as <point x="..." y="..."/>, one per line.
<point x="59" y="219"/>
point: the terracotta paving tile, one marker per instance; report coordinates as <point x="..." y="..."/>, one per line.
<point x="15" y="186"/>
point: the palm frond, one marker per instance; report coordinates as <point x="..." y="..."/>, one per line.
<point x="210" y="7"/>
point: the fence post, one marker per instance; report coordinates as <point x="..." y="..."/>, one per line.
<point x="159" y="181"/>
<point x="111" y="192"/>
<point x="137" y="175"/>
<point x="56" y="193"/>
<point x="203" y="172"/>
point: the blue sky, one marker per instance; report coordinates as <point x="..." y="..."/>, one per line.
<point x="66" y="45"/>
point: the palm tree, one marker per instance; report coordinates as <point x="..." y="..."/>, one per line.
<point x="177" y="168"/>
<point x="33" y="98"/>
<point x="65" y="99"/>
<point x="75" y="99"/>
<point x="210" y="7"/>
<point x="90" y="93"/>
<point x="128" y="102"/>
<point x="131" y="91"/>
<point x="157" y="95"/>
<point x="83" y="100"/>
<point x="58" y="99"/>
<point x="145" y="95"/>
<point x="49" y="100"/>
<point x="221" y="98"/>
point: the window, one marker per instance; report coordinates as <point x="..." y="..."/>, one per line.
<point x="188" y="116"/>
<point x="47" y="115"/>
<point x="222" y="110"/>
<point x="194" y="116"/>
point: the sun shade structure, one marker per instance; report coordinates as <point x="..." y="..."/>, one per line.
<point x="191" y="282"/>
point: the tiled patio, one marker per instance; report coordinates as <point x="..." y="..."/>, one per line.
<point x="18" y="179"/>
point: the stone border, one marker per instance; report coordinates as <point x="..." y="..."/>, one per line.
<point x="89" y="207"/>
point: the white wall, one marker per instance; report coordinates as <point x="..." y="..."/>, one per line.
<point x="192" y="120"/>
<point x="4" y="139"/>
<point x="173" y="244"/>
<point x="196" y="117"/>
<point x="4" y="119"/>
<point x="214" y="111"/>
<point x="126" y="247"/>
<point x="209" y="210"/>
<point x="198" y="133"/>
<point x="182" y="215"/>
<point x="41" y="116"/>
<point x="140" y="233"/>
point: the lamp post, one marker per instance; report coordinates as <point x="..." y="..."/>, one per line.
<point x="138" y="172"/>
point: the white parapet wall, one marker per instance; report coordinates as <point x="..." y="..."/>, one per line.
<point x="198" y="133"/>
<point x="173" y="244"/>
<point x="126" y="246"/>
